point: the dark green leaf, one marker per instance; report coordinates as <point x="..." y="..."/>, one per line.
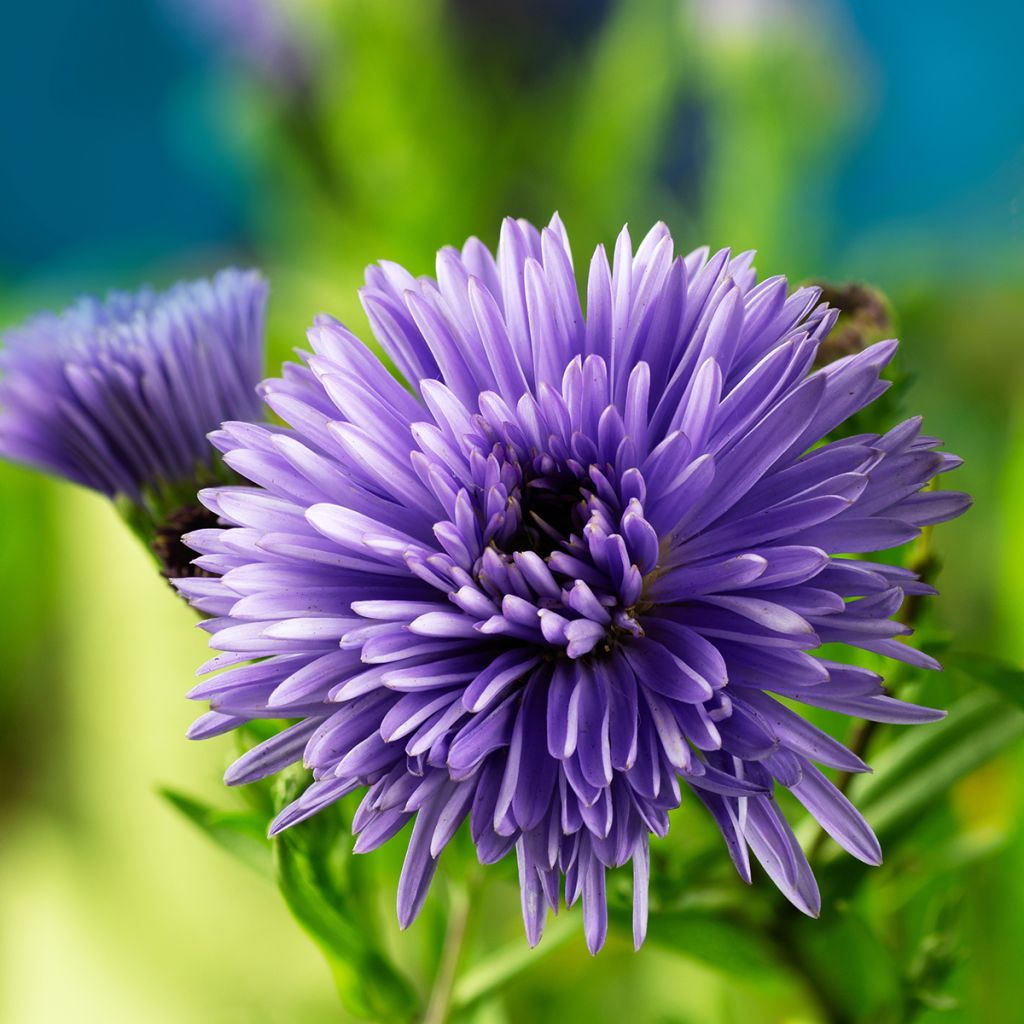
<point x="854" y="976"/>
<point x="937" y="955"/>
<point x="717" y="941"/>
<point x="1004" y="678"/>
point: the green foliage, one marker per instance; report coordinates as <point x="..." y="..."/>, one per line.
<point x="852" y="973"/>
<point x="916" y="770"/>
<point x="240" y="833"/>
<point x="319" y="883"/>
<point x="369" y="985"/>
<point x="733" y="947"/>
<point x="489" y="976"/>
<point x="1003" y="678"/>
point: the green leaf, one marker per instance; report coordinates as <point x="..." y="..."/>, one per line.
<point x="914" y="772"/>
<point x="938" y="954"/>
<point x="852" y="973"/>
<point x="318" y="878"/>
<point x="495" y="971"/>
<point x="369" y="985"/>
<point x="1004" y="678"/>
<point x="242" y="834"/>
<point x="716" y="941"/>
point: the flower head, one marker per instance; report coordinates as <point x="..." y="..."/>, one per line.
<point x="118" y="395"/>
<point x="563" y="580"/>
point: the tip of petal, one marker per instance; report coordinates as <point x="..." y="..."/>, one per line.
<point x="874" y="858"/>
<point x="885" y="350"/>
<point x="278" y="825"/>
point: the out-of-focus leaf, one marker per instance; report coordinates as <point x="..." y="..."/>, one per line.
<point x="491" y="974"/>
<point x="919" y="767"/>
<point x="935" y="958"/>
<point x="240" y="833"/>
<point x="714" y="940"/>
<point x="369" y="985"/>
<point x="854" y="975"/>
<point x="30" y="631"/>
<point x="1004" y="678"/>
<point x="952" y="858"/>
<point x="488" y="1012"/>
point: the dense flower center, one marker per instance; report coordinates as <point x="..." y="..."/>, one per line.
<point x="552" y="509"/>
<point x="551" y="538"/>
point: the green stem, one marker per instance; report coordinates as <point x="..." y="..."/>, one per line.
<point x="439" y="1005"/>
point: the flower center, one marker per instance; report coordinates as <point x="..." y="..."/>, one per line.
<point x="552" y="560"/>
<point x="552" y="509"/>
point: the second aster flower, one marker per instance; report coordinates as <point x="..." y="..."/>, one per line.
<point x="566" y="578"/>
<point x="119" y="394"/>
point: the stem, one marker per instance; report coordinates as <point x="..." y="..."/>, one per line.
<point x="444" y="981"/>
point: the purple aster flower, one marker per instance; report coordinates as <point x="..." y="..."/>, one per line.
<point x="566" y="577"/>
<point x="118" y="395"/>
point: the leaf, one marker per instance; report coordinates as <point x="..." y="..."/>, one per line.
<point x="914" y="772"/>
<point x="937" y="955"/>
<point x="716" y="941"/>
<point x="911" y="778"/>
<point x="852" y="973"/>
<point x="242" y="834"/>
<point x="999" y="675"/>
<point x="369" y="985"/>
<point x="495" y="971"/>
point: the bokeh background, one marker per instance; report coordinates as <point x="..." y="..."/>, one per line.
<point x="144" y="140"/>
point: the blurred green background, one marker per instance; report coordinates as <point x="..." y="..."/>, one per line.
<point x="146" y="140"/>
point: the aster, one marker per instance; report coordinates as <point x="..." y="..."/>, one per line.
<point x="565" y="577"/>
<point x="119" y="394"/>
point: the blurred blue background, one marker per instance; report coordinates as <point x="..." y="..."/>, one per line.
<point x="118" y="159"/>
<point x="146" y="140"/>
